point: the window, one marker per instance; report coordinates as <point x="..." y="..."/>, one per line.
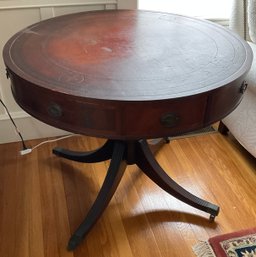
<point x="208" y="9"/>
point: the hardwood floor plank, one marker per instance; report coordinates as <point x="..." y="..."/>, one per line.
<point x="9" y="201"/>
<point x="31" y="216"/>
<point x="56" y="230"/>
<point x="133" y="216"/>
<point x="43" y="199"/>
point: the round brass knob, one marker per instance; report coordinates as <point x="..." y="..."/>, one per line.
<point x="54" y="110"/>
<point x="170" y="120"/>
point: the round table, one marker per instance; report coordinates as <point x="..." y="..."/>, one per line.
<point x="127" y="76"/>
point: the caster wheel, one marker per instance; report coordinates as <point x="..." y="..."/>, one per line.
<point x="167" y="140"/>
<point x="212" y="218"/>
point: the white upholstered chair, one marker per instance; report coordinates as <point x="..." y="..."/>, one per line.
<point x="242" y="121"/>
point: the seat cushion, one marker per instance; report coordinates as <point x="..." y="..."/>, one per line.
<point x="241" y="122"/>
<point x="251" y="76"/>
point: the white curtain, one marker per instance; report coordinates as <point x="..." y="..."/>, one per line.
<point x="252" y="19"/>
<point x="243" y="19"/>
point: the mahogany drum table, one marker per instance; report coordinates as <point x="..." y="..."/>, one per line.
<point x="127" y="76"/>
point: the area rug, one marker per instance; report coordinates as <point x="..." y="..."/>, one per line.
<point x="236" y="244"/>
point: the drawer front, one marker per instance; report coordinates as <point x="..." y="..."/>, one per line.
<point x="164" y="118"/>
<point x="224" y="100"/>
<point x="66" y="112"/>
<point x="126" y="119"/>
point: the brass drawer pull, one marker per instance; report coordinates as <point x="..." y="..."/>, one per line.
<point x="243" y="87"/>
<point x="170" y="120"/>
<point x="54" y="110"/>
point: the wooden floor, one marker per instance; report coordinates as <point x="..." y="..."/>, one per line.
<point x="44" y="198"/>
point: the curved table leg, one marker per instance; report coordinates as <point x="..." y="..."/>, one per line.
<point x="222" y="128"/>
<point x="113" y="177"/>
<point x="101" y="154"/>
<point x="147" y="163"/>
<point x="122" y="153"/>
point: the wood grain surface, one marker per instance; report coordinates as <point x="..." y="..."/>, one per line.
<point x="127" y="74"/>
<point x="128" y="55"/>
<point x="43" y="199"/>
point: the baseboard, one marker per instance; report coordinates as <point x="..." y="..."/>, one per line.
<point x="29" y="127"/>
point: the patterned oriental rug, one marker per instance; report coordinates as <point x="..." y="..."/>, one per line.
<point x="237" y="244"/>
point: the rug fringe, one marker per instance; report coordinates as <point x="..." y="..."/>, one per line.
<point x="203" y="249"/>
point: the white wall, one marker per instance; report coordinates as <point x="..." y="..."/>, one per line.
<point x="14" y="16"/>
